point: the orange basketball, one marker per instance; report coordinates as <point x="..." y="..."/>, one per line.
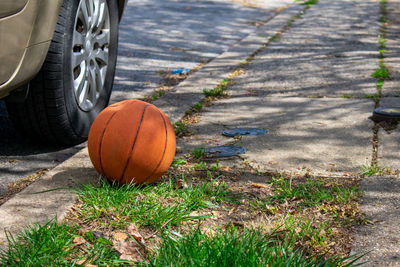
<point x="131" y="141"/>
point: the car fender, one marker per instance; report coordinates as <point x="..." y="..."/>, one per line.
<point x="24" y="40"/>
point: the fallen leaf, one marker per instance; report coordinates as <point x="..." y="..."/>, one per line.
<point x="231" y="211"/>
<point x="118" y="236"/>
<point x="273" y="162"/>
<point x="322" y="233"/>
<point x="129" y="250"/>
<point x="181" y="184"/>
<point x="226" y="168"/>
<point x="80" y="262"/>
<point x="90" y="265"/>
<point x="133" y="231"/>
<point x="260" y="185"/>
<point x="215" y="214"/>
<point x="78" y="241"/>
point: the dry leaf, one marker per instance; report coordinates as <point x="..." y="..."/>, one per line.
<point x="273" y="162"/>
<point x="90" y="265"/>
<point x="181" y="184"/>
<point x="215" y="213"/>
<point x="133" y="231"/>
<point x="260" y="185"/>
<point x="80" y="262"/>
<point x="322" y="232"/>
<point x="226" y="168"/>
<point x="129" y="250"/>
<point x="231" y="211"/>
<point x="118" y="236"/>
<point x="79" y="241"/>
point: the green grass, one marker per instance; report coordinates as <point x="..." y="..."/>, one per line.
<point x="234" y="248"/>
<point x="381" y="73"/>
<point x="313" y="192"/>
<point x="198" y="106"/>
<point x="198" y="153"/>
<point x="178" y="162"/>
<point x="157" y="94"/>
<point x="308" y="2"/>
<point x="382" y="42"/>
<point x="181" y="128"/>
<point x="52" y="245"/>
<point x="152" y="206"/>
<point x="219" y="90"/>
<point x="379" y="85"/>
<point x="375" y="97"/>
<point x="373" y="169"/>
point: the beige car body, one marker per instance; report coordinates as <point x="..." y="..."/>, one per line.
<point x="26" y="30"/>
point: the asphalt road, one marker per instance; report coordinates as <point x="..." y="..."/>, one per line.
<point x="155" y="36"/>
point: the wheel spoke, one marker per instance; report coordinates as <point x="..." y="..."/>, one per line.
<point x="100" y="77"/>
<point x="102" y="56"/>
<point x="84" y="93"/>
<point x="91" y="12"/>
<point x="78" y="39"/>
<point x="100" y="18"/>
<point x="84" y="15"/>
<point x="93" y="84"/>
<point x="103" y="39"/>
<point x="77" y="58"/>
<point x="79" y="82"/>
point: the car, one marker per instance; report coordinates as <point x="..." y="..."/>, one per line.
<point x="57" y="64"/>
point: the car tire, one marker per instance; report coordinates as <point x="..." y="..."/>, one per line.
<point x="75" y="82"/>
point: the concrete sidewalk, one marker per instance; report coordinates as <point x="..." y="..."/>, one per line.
<point x="309" y="89"/>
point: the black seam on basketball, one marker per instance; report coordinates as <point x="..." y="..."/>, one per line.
<point x="134" y="142"/>
<point x="165" y="147"/>
<point x="101" y="140"/>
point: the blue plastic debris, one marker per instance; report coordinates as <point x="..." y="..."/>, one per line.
<point x="244" y="131"/>
<point x="180" y="71"/>
<point x="224" y="151"/>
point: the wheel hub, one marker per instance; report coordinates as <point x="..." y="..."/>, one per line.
<point x="89" y="59"/>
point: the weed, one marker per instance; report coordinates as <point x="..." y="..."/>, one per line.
<point x="381" y="73"/>
<point x="157" y="94"/>
<point x="181" y="128"/>
<point x="310" y="2"/>
<point x="219" y="90"/>
<point x="198" y="153"/>
<point x="383" y="19"/>
<point x="348" y="96"/>
<point x="379" y="85"/>
<point x="198" y="106"/>
<point x="382" y="53"/>
<point x="176" y="163"/>
<point x="382" y="42"/>
<point x="200" y="166"/>
<point x="373" y="169"/>
<point x="375" y="97"/>
<point x="215" y="167"/>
